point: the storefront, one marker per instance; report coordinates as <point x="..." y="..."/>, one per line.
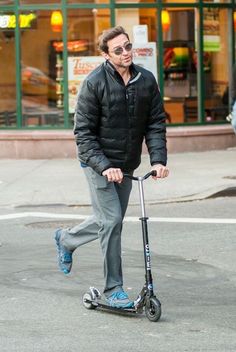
<point x="48" y="46"/>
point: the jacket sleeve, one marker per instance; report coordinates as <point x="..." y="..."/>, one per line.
<point x="155" y="137"/>
<point x="86" y="129"/>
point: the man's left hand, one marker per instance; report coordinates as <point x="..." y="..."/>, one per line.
<point x="161" y="170"/>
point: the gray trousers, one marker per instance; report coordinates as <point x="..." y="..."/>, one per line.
<point x="109" y="202"/>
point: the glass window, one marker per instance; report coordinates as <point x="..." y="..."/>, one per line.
<point x="41" y="71"/>
<point x="216" y="63"/>
<point x="221" y="1"/>
<point x="131" y="17"/>
<point x="88" y="1"/>
<point x="36" y="2"/>
<point x="133" y="1"/>
<point x="84" y="27"/>
<point x="187" y="1"/>
<point x="180" y="71"/>
<point x="7" y="71"/>
<point x="7" y="2"/>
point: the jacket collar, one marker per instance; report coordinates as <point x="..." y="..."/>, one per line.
<point x="135" y="74"/>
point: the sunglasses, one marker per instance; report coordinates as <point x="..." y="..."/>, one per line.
<point x="119" y="50"/>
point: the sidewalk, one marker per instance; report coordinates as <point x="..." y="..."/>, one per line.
<point x="61" y="181"/>
<point x="193" y="264"/>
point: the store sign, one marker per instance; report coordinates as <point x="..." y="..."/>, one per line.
<point x="78" y="68"/>
<point x="145" y="55"/>
<point x="72" y="46"/>
<point x="8" y="22"/>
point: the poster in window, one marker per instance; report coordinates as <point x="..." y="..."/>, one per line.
<point x="78" y="68"/>
<point x="145" y="55"/>
<point x="211" y="29"/>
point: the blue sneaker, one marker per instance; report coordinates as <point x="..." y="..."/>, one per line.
<point x="64" y="256"/>
<point x="119" y="299"/>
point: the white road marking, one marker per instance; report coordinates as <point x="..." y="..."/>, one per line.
<point x="127" y="219"/>
<point x="187" y="220"/>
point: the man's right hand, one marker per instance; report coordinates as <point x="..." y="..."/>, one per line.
<point x="113" y="174"/>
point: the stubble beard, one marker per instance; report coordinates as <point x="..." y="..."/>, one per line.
<point x="125" y="65"/>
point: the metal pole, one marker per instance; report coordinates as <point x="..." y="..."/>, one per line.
<point x="141" y="196"/>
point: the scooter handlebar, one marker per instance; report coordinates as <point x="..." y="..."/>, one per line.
<point x="135" y="178"/>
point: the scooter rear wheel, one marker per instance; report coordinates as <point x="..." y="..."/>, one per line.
<point x="87" y="298"/>
<point x="153" y="309"/>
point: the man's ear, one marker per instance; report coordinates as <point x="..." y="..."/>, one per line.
<point x="105" y="55"/>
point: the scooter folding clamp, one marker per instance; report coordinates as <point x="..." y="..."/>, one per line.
<point x="95" y="293"/>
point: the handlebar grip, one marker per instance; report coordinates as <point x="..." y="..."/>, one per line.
<point x="130" y="176"/>
<point x="152" y="173"/>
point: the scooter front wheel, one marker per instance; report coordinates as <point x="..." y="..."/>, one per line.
<point x="87" y="301"/>
<point x="153" y="309"/>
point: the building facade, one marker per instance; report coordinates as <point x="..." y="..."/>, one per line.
<point x="47" y="47"/>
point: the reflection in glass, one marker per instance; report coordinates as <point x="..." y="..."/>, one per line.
<point x="180" y="70"/>
<point x="7" y="79"/>
<point x="220" y="1"/>
<point x="88" y="1"/>
<point x="216" y="70"/>
<point x="7" y="2"/>
<point x="41" y="73"/>
<point x="187" y="1"/>
<point x="130" y="17"/>
<point x="36" y="2"/>
<point x="134" y="1"/>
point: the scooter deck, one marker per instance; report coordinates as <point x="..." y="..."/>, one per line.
<point x="100" y="304"/>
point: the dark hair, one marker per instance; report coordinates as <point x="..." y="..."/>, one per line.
<point x="109" y="34"/>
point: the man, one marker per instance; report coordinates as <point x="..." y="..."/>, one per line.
<point x="118" y="106"/>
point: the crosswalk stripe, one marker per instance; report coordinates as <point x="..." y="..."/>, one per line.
<point x="127" y="219"/>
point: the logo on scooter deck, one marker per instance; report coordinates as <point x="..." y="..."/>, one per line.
<point x="148" y="258"/>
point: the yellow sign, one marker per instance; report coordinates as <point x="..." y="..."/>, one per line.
<point x="9" y="21"/>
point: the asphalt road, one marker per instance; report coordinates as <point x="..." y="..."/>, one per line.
<point x="194" y="270"/>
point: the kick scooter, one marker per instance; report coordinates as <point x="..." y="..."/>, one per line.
<point x="146" y="299"/>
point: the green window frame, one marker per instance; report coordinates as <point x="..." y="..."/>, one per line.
<point x="62" y="5"/>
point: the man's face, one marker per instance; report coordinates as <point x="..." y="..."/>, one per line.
<point x="119" y="51"/>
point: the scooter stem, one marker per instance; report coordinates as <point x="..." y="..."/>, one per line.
<point x="141" y="196"/>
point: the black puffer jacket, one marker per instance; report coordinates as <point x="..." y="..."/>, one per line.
<point x="111" y="119"/>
